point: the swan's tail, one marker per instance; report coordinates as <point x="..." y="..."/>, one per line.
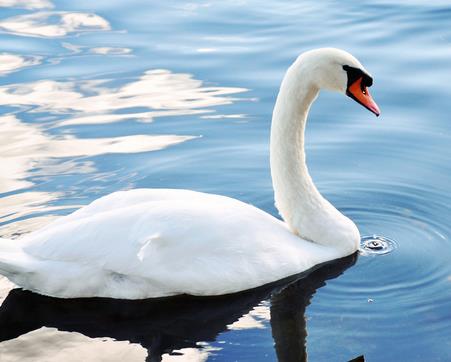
<point x="12" y="258"/>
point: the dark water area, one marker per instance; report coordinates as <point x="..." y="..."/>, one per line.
<point x="102" y="96"/>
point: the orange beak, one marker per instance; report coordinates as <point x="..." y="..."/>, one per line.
<point x="361" y="95"/>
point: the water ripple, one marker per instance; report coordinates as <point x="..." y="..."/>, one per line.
<point x="407" y="285"/>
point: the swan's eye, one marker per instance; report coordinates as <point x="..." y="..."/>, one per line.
<point x="356" y="73"/>
<point x="364" y="91"/>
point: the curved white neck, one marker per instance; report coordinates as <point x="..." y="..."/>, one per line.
<point x="299" y="202"/>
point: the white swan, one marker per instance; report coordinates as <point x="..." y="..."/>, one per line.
<point x="159" y="242"/>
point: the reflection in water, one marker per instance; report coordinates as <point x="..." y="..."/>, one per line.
<point x="162" y="326"/>
<point x="155" y="93"/>
<point x="78" y="49"/>
<point x="17" y="136"/>
<point x="255" y="319"/>
<point x="110" y="51"/>
<point x="42" y="147"/>
<point x="26" y="4"/>
<point x="27" y="225"/>
<point x="53" y="24"/>
<point x="18" y="205"/>
<point x="288" y="308"/>
<point x="12" y="62"/>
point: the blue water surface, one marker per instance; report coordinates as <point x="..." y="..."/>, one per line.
<point x="100" y="96"/>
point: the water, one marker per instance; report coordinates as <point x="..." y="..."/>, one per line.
<point x="102" y="96"/>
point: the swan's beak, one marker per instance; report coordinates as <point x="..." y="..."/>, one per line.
<point x="360" y="94"/>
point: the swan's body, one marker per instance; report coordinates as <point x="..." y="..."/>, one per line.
<point x="159" y="242"/>
<point x="149" y="243"/>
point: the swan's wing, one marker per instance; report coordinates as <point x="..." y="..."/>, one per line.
<point x="124" y="199"/>
<point x="116" y="222"/>
<point x="168" y="243"/>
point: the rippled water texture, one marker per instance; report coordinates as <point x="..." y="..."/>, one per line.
<point x="99" y="96"/>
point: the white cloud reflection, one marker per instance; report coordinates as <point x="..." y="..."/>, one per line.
<point x="39" y="345"/>
<point x="186" y="355"/>
<point x="206" y="50"/>
<point x="78" y="49"/>
<point x="12" y="62"/>
<point x="26" y="4"/>
<point x="53" y="24"/>
<point x="25" y="146"/>
<point x="37" y="149"/>
<point x="111" y="51"/>
<point x="155" y="93"/>
<point x="18" y="205"/>
<point x="17" y="228"/>
<point x="255" y="319"/>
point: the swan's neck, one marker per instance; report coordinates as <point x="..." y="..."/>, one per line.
<point x="299" y="202"/>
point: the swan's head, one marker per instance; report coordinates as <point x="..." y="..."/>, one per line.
<point x="337" y="70"/>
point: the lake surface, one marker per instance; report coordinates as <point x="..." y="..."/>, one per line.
<point x="100" y="96"/>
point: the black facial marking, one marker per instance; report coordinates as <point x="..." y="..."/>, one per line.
<point x="356" y="73"/>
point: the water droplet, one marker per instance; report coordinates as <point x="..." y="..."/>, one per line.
<point x="375" y="244"/>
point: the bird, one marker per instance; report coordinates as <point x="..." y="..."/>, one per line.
<point x="152" y="243"/>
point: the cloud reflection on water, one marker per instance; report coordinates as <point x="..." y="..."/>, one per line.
<point x="12" y="62"/>
<point x="110" y="51"/>
<point x="25" y="147"/>
<point x="56" y="346"/>
<point x="75" y="347"/>
<point x="53" y="24"/>
<point x="258" y="317"/>
<point x="94" y="101"/>
<point x="41" y="149"/>
<point x="18" y="136"/>
<point x="26" y="4"/>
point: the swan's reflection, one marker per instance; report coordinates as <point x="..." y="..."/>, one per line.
<point x="288" y="308"/>
<point x="164" y="325"/>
